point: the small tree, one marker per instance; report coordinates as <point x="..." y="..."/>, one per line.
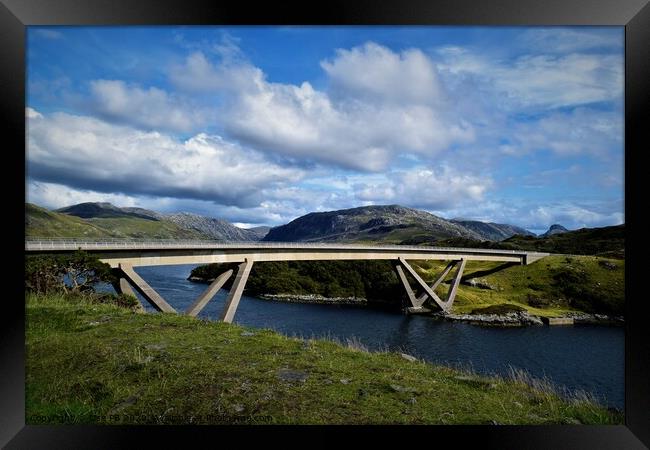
<point x="70" y="273"/>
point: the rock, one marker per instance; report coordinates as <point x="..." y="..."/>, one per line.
<point x="292" y="375"/>
<point x="412" y="401"/>
<point x="572" y="421"/>
<point x="408" y="357"/>
<point x="247" y="333"/>
<point x="398" y="388"/>
<point x="155" y="346"/>
<point x="344" y="381"/>
<point x="238" y="408"/>
<point x="607" y="265"/>
<point x="128" y="402"/>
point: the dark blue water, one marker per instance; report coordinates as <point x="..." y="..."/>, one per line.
<point x="588" y="358"/>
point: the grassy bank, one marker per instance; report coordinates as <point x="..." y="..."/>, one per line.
<point x="550" y="287"/>
<point x="101" y="363"/>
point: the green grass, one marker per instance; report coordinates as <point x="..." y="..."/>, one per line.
<point x="549" y="287"/>
<point x="39" y="222"/>
<point x="99" y="363"/>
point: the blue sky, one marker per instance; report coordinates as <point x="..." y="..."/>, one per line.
<point x="260" y="125"/>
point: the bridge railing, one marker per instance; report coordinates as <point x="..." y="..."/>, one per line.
<point x="35" y="243"/>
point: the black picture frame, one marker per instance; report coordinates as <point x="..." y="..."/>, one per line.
<point x="634" y="15"/>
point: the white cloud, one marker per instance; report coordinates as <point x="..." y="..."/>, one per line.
<point x="54" y="196"/>
<point x="198" y="74"/>
<point x="394" y="110"/>
<point x="377" y="74"/>
<point x="539" y="80"/>
<point x="580" y="131"/>
<point x="150" y="108"/>
<point x="31" y="113"/>
<point x="439" y="189"/>
<point x="90" y="154"/>
<point x="564" y="40"/>
<point x="572" y="216"/>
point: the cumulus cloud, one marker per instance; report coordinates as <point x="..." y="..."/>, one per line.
<point x="396" y="109"/>
<point x="198" y="74"/>
<point x="91" y="154"/>
<point x="150" y="108"/>
<point x="54" y="196"/>
<point x="377" y="74"/>
<point x="433" y="189"/>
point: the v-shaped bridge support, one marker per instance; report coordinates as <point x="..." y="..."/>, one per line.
<point x="417" y="302"/>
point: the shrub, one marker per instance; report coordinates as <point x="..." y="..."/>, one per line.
<point x="69" y="273"/>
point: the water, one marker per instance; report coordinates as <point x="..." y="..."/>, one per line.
<point x="589" y="358"/>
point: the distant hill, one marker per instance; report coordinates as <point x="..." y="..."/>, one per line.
<point x="492" y="231"/>
<point x="92" y="210"/>
<point x="216" y="228"/>
<point x="259" y="232"/>
<point x="101" y="219"/>
<point x="379" y="223"/>
<point x="554" y="229"/>
<point x="40" y="222"/>
<point x="604" y="241"/>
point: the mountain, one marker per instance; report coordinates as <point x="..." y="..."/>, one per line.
<point x="110" y="223"/>
<point x="216" y="228"/>
<point x="93" y="210"/>
<point x="380" y="223"/>
<point x="108" y="220"/>
<point x="492" y="231"/>
<point x="259" y="232"/>
<point x="554" y="229"/>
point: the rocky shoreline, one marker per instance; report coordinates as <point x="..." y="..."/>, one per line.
<point x="523" y="318"/>
<point x="312" y="298"/>
<point x="511" y="319"/>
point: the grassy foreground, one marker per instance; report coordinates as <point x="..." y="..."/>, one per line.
<point x="99" y="363"/>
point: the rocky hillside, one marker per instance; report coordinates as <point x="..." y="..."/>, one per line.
<point x="216" y="228"/>
<point x="493" y="231"/>
<point x="40" y="222"/>
<point x="387" y="224"/>
<point x="554" y="229"/>
<point x="101" y="219"/>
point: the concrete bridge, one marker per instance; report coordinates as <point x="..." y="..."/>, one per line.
<point x="125" y="255"/>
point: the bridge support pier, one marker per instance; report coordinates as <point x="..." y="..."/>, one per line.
<point x="429" y="290"/>
<point x="414" y="303"/>
<point x="236" y="291"/>
<point x="144" y="289"/>
<point x="207" y="295"/>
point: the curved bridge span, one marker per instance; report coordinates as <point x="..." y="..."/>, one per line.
<point x="123" y="255"/>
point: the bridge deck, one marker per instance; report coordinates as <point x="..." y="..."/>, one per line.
<point x="151" y="253"/>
